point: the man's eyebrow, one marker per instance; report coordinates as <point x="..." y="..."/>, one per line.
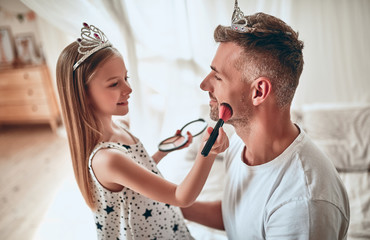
<point x="214" y="69"/>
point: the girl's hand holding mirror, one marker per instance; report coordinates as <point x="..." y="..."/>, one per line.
<point x="183" y="137"/>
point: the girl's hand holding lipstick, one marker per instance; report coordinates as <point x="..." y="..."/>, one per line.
<point x="221" y="143"/>
<point x="225" y="113"/>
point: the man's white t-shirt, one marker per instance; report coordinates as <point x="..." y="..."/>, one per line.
<point x="298" y="195"/>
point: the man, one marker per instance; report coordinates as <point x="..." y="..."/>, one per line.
<point x="278" y="184"/>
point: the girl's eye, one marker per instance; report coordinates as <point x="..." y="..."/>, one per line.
<point x="126" y="78"/>
<point x="114" y="84"/>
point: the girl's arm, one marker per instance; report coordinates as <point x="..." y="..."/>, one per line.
<point x="112" y="167"/>
<point x="158" y="156"/>
<point x="205" y="213"/>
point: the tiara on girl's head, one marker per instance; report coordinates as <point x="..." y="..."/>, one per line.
<point x="91" y="37"/>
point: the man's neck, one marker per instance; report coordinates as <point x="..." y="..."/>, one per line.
<point x="265" y="140"/>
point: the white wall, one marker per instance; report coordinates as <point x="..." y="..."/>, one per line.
<point x="8" y="18"/>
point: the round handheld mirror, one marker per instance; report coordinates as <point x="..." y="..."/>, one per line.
<point x="177" y="141"/>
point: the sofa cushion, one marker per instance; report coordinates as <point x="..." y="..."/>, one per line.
<point x="342" y="132"/>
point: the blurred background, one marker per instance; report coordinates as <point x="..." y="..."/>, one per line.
<point x="167" y="47"/>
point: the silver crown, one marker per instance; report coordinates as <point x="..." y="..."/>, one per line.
<point x="91" y="37"/>
<point x="238" y="21"/>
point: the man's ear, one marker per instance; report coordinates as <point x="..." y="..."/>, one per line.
<point x="261" y="88"/>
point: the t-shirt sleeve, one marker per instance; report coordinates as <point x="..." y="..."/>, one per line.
<point x="306" y="219"/>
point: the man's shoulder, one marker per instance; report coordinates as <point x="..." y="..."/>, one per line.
<point x="321" y="178"/>
<point x="315" y="218"/>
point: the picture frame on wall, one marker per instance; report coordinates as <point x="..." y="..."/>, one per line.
<point x="26" y="49"/>
<point x="7" y="51"/>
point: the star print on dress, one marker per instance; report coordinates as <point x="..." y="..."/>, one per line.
<point x="127" y="214"/>
<point x="148" y="213"/>
<point x="109" y="209"/>
<point x="125" y="146"/>
<point x="99" y="226"/>
<point x="175" y="227"/>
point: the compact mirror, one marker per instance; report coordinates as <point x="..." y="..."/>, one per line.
<point x="177" y="141"/>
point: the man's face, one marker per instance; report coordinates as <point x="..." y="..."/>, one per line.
<point x="225" y="84"/>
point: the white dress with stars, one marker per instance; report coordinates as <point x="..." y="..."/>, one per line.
<point x="130" y="215"/>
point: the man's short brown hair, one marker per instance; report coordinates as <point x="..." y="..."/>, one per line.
<point x="270" y="49"/>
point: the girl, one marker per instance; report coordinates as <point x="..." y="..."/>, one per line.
<point x="119" y="181"/>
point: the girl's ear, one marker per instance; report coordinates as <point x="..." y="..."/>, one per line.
<point x="261" y="88"/>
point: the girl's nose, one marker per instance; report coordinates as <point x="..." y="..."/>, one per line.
<point x="126" y="88"/>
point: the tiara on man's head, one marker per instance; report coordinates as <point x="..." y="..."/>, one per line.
<point x="91" y="37"/>
<point x="238" y="21"/>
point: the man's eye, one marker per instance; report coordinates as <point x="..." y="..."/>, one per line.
<point x="217" y="77"/>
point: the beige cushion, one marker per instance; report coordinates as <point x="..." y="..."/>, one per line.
<point x="342" y="132"/>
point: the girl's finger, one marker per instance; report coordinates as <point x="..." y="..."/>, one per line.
<point x="209" y="130"/>
<point x="221" y="135"/>
<point x="190" y="137"/>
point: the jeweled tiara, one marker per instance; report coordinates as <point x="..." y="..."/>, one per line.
<point x="239" y="23"/>
<point x="91" y="37"/>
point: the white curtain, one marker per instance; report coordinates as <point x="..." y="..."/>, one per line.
<point x="168" y="46"/>
<point x="60" y="23"/>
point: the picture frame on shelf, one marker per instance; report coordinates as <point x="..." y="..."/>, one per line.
<point x="7" y="50"/>
<point x="27" y="52"/>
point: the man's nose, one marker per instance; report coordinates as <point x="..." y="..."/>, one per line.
<point x="205" y="84"/>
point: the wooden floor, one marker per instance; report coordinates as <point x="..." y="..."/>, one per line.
<point x="33" y="163"/>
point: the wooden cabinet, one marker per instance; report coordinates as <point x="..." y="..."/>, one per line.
<point x="27" y="96"/>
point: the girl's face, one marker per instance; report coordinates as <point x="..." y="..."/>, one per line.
<point x="108" y="89"/>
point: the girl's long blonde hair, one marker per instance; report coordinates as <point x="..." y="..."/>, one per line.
<point x="83" y="128"/>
